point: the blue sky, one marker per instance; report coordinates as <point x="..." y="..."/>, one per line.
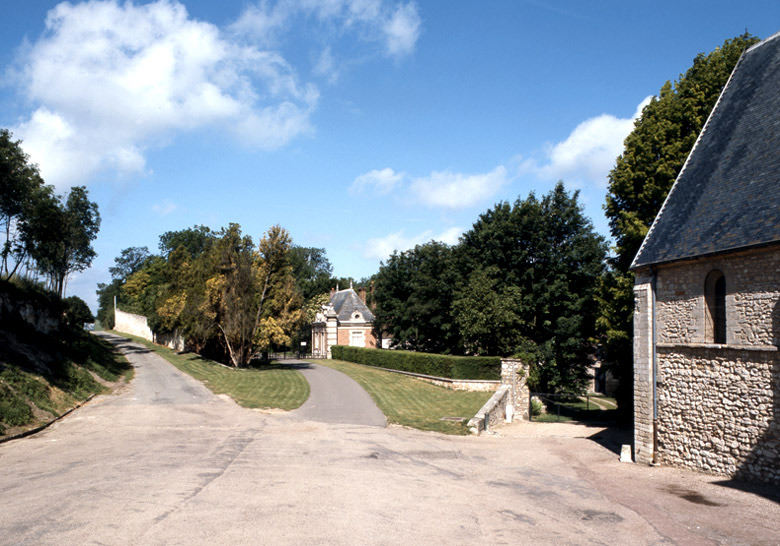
<point x="361" y="126"/>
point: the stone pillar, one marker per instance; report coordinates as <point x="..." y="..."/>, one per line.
<point x="514" y="373"/>
<point x="331" y="330"/>
<point x="643" y="367"/>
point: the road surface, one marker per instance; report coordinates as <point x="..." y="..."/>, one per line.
<point x="166" y="462"/>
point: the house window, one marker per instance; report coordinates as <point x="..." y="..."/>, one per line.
<point x="715" y="299"/>
<point x="357" y="339"/>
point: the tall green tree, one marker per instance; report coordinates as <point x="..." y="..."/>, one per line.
<point x="550" y="261"/>
<point x="195" y="240"/>
<point x="488" y="314"/>
<point x="312" y="270"/>
<point x="61" y="241"/>
<point x="413" y="293"/>
<point x="20" y="186"/>
<point x="653" y="155"/>
<point x="253" y="299"/>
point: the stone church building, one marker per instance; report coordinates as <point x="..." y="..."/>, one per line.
<point x="346" y="320"/>
<point x="707" y="292"/>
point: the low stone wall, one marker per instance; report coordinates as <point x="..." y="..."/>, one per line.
<point x="171" y="340"/>
<point x="493" y="412"/>
<point x="510" y="401"/>
<point x="719" y="408"/>
<point x="470" y="385"/>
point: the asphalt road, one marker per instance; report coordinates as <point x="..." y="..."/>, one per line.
<point x="337" y="398"/>
<point x="166" y="462"/>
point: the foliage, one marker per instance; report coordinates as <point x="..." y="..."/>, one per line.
<point x="486" y="314"/>
<point x="280" y="311"/>
<point x="652" y="158"/>
<point x="129" y="261"/>
<point x="413" y="294"/>
<point x="312" y="271"/>
<point x="226" y="297"/>
<point x="21" y="184"/>
<point x="454" y="367"/>
<point x="77" y="312"/>
<point x="536" y="407"/>
<point x="545" y="258"/>
<point x="195" y="241"/>
<point x="60" y="239"/>
<point x="522" y="280"/>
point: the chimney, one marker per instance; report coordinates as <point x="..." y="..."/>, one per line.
<point x="362" y="294"/>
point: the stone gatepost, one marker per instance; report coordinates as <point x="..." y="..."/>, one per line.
<point x="514" y="373"/>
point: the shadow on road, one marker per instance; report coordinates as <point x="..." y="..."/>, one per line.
<point x="126" y="348"/>
<point x="613" y="438"/>
<point x="291" y="365"/>
<point x="769" y="492"/>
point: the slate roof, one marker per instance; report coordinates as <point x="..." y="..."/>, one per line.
<point x="727" y="196"/>
<point x="346" y="302"/>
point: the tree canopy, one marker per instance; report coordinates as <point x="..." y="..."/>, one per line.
<point x="522" y="280"/>
<point x="227" y="296"/>
<point x="49" y="234"/>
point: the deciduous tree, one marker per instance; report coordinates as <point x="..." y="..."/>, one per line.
<point x="20" y="185"/>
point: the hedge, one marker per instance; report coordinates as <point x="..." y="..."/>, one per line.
<point x="453" y="367"/>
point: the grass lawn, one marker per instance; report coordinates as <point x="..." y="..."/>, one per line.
<point x="411" y="402"/>
<point x="266" y="387"/>
<point x="600" y="408"/>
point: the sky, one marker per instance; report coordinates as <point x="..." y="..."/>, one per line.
<point x="360" y="126"/>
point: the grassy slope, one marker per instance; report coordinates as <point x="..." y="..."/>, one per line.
<point x="266" y="387"/>
<point x="42" y="376"/>
<point x="411" y="402"/>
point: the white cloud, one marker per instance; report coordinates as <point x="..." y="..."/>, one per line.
<point x="382" y="181"/>
<point x="589" y="152"/>
<point x="458" y="190"/>
<point x="396" y="27"/>
<point x="326" y="66"/>
<point x="382" y="247"/>
<point x="165" y="208"/>
<point x="109" y="80"/>
<point x="402" y="30"/>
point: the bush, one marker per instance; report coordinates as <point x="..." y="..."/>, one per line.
<point x="453" y="367"/>
<point x="536" y="407"/>
<point x="14" y="411"/>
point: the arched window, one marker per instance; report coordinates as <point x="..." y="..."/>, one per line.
<point x="715" y="299"/>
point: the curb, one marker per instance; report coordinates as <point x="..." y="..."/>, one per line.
<point x="44" y="426"/>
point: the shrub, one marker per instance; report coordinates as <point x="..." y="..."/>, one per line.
<point x="536" y="407"/>
<point x="453" y="367"/>
<point x="14" y="411"/>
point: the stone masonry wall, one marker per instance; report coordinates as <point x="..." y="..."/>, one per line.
<point x="752" y="299"/>
<point x="513" y="392"/>
<point x="643" y="370"/>
<point x="719" y="410"/>
<point x="718" y="405"/>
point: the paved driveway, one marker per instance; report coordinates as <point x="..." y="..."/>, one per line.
<point x="166" y="462"/>
<point x="336" y="398"/>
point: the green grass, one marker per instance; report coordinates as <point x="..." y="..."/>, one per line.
<point x="269" y="386"/>
<point x="560" y="410"/>
<point x="52" y="375"/>
<point x="413" y="403"/>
